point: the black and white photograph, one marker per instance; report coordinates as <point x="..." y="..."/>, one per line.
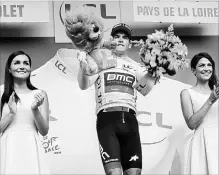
<point x="117" y="87"/>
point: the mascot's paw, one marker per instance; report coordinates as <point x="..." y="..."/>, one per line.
<point x="81" y="56"/>
<point x="89" y="66"/>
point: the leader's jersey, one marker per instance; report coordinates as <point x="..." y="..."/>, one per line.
<point x="114" y="87"/>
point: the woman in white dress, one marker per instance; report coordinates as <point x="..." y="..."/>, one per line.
<point x="24" y="113"/>
<point x="200" y="110"/>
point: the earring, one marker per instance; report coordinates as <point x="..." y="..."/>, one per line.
<point x="193" y="71"/>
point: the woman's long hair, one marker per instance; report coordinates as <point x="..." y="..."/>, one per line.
<point x="213" y="80"/>
<point x="9" y="81"/>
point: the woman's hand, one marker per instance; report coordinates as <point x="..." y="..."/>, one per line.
<point x="214" y="94"/>
<point x="12" y="104"/>
<point x="38" y="99"/>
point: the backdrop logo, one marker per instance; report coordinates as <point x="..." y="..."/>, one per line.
<point x="60" y="66"/>
<point x="101" y="8"/>
<point x="107" y="11"/>
<point x="153" y="127"/>
<point x="50" y="145"/>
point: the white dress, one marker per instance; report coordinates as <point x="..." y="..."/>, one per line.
<point x="203" y="149"/>
<point x="21" y="151"/>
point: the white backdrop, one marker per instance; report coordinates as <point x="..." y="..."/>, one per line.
<point x="72" y="138"/>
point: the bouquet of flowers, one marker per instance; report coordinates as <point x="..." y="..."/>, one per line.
<point x="163" y="53"/>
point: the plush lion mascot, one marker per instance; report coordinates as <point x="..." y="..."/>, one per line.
<point x="86" y="32"/>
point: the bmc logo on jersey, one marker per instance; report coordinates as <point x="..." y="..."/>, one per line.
<point x="119" y="82"/>
<point x="120" y="77"/>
